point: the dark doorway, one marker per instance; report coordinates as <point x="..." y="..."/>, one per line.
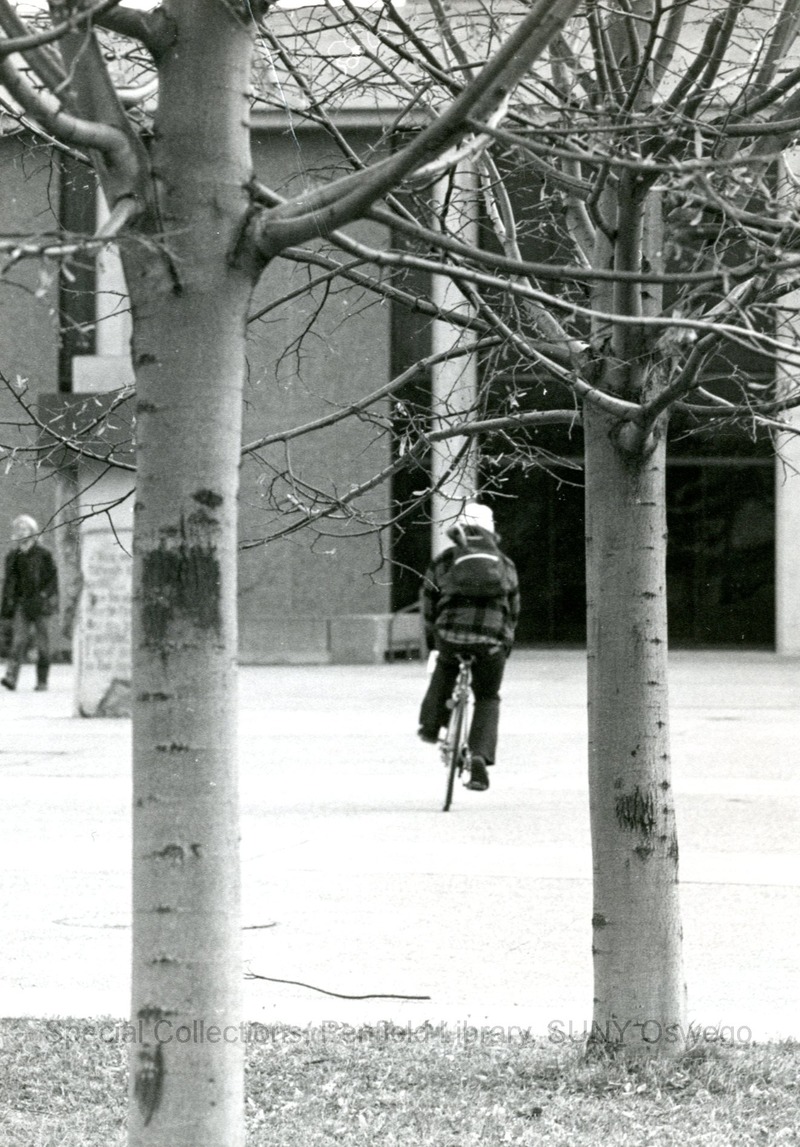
<point x="540" y="522"/>
<point x="721" y="552"/>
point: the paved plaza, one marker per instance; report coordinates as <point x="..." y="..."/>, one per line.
<point x="357" y="885"/>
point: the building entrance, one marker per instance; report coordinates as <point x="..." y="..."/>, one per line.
<point x="720" y="553"/>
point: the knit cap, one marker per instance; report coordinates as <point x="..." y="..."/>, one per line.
<point x="476" y="514"/>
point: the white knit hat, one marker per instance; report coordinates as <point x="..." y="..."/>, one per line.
<point x="476" y="514"/>
<point x="25" y="526"/>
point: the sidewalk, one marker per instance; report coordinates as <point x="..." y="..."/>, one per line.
<point x="356" y="883"/>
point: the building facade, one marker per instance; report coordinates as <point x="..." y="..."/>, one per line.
<point x="329" y="592"/>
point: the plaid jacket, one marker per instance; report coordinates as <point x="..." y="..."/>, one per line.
<point x="467" y="620"/>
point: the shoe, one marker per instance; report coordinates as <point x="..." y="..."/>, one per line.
<point x="41" y="687"/>
<point x="479" y="778"/>
<point x="427" y="738"/>
<point x="8" y="684"/>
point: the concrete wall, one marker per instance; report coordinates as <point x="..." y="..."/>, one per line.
<point x="308" y="357"/>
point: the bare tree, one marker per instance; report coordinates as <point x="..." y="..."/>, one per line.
<point x="646" y="163"/>
<point x="196" y="233"/>
<point x="639" y="235"/>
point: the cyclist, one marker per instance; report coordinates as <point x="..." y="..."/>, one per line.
<point x="474" y="618"/>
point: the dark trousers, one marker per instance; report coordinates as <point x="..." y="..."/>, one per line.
<point x="487" y="675"/>
<point x="25" y="634"/>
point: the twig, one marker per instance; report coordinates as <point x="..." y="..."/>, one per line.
<point x="338" y="995"/>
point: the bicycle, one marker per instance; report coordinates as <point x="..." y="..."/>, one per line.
<point x="455" y="751"/>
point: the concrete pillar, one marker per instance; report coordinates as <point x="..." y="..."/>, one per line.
<point x="95" y="559"/>
<point x="455" y="380"/>
<point x="101" y="637"/>
<point x="787" y="473"/>
<point x="787" y="540"/>
<point x="101" y="646"/>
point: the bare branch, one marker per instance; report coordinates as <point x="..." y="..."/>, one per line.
<point x="114" y="145"/>
<point x="44" y="62"/>
<point x="320" y="212"/>
<point x="364" y="403"/>
<point x="783" y="36"/>
<point x="154" y="29"/>
<point x="668" y="41"/>
<point x="72" y="443"/>
<point x="25" y="43"/>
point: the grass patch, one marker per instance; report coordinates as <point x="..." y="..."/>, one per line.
<point x="63" y="1084"/>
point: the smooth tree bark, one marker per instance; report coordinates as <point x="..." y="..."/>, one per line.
<point x="189" y="356"/>
<point x="639" y="1000"/>
<point x="669" y="92"/>
<point x="639" y="992"/>
<point x="195" y="234"/>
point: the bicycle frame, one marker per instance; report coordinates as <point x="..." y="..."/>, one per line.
<point x="455" y="750"/>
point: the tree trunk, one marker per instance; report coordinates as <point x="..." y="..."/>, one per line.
<point x="189" y="355"/>
<point x="639" y="993"/>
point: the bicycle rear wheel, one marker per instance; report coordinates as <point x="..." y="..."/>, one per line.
<point x="455" y="742"/>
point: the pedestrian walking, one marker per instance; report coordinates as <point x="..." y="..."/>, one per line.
<point x="29" y="599"/>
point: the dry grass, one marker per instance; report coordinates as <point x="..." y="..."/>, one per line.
<point x="353" y="1087"/>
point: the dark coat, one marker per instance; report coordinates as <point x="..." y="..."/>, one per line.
<point x="30" y="583"/>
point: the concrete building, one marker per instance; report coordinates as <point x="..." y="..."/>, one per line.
<point x="65" y="342"/>
<point x="331" y="593"/>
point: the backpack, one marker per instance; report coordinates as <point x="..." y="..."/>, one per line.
<point x="477" y="568"/>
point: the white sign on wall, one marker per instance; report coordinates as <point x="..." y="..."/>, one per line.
<point x="102" y="638"/>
